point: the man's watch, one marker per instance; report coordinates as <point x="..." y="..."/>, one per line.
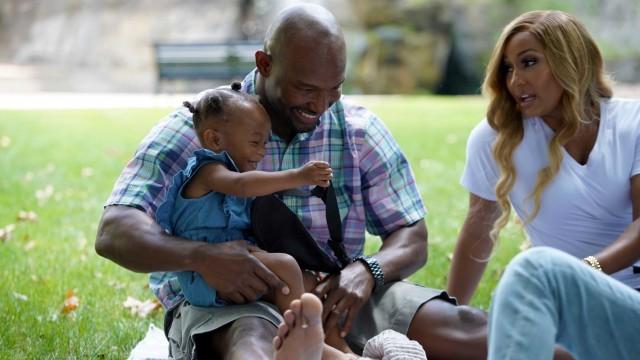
<point x="374" y="267"/>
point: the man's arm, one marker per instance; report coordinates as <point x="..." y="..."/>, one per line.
<point x="393" y="209"/>
<point x="402" y="253"/>
<point x="132" y="239"/>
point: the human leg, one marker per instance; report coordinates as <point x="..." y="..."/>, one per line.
<point x="245" y="338"/>
<point x="546" y="297"/>
<point x="301" y="336"/>
<point x="447" y="331"/>
<point x="287" y="269"/>
<point x="426" y="315"/>
<point x="229" y="332"/>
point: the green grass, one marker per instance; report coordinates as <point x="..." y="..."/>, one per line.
<point x="81" y="152"/>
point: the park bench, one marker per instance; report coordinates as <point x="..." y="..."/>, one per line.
<point x="204" y="61"/>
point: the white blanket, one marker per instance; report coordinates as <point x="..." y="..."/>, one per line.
<point x="154" y="346"/>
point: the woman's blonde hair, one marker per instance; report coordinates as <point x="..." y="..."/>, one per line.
<point x="576" y="64"/>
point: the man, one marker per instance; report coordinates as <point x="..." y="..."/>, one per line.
<point x="298" y="79"/>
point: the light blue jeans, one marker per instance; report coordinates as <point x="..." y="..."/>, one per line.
<point x="547" y="297"/>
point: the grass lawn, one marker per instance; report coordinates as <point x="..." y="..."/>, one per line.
<point x="61" y="166"/>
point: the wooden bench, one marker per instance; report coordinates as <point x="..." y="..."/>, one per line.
<point x="204" y="61"/>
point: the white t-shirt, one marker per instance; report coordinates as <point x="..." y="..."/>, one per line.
<point x="585" y="207"/>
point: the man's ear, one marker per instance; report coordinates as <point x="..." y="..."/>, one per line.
<point x="213" y="140"/>
<point x="263" y="63"/>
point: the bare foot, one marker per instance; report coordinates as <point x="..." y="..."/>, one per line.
<point x="300" y="336"/>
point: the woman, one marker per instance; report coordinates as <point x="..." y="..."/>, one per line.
<point x="557" y="148"/>
<point x="565" y="155"/>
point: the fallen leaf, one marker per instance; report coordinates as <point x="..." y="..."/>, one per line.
<point x="20" y="297"/>
<point x="6" y="233"/>
<point x="71" y="302"/>
<point x="141" y="308"/>
<point x="5" y="141"/>
<point x="30" y="245"/>
<point x="27" y="216"/>
<point x="44" y="194"/>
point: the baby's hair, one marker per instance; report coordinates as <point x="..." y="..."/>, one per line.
<point x="236" y="86"/>
<point x="215" y="104"/>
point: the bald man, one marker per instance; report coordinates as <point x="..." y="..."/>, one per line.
<point x="298" y="78"/>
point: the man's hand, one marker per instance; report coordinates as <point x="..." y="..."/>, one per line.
<point x="343" y="295"/>
<point x="315" y="173"/>
<point x="234" y="272"/>
<point x="132" y="239"/>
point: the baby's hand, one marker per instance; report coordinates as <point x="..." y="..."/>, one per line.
<point x="316" y="173"/>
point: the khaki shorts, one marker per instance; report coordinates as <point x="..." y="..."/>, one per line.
<point x="393" y="307"/>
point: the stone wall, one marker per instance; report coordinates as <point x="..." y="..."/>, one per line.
<point x="70" y="42"/>
<point x="442" y="46"/>
<point x="400" y="46"/>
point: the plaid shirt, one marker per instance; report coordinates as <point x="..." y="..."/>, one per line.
<point x="374" y="185"/>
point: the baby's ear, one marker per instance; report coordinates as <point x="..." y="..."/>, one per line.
<point x="213" y="140"/>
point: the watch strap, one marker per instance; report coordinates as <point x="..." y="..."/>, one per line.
<point x="376" y="270"/>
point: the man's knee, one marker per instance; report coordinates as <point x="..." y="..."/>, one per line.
<point x="450" y="331"/>
<point x="438" y="315"/>
<point x="470" y="316"/>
